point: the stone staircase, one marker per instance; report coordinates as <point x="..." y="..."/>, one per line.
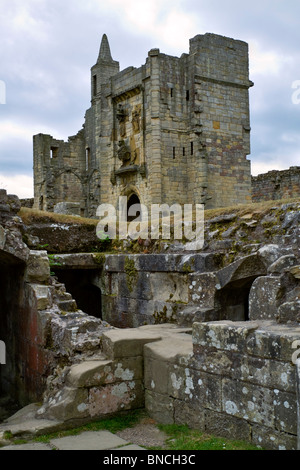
<point x="105" y="385"/>
<point x="62" y="298"/>
<point x="102" y="385"/>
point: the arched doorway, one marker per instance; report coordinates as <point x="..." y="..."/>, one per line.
<point x="132" y="201"/>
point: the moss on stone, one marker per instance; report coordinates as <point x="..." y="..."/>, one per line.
<point x="131" y="273"/>
<point x="99" y="258"/>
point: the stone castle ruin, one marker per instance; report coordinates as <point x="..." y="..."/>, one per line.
<point x="175" y="130"/>
<point x="209" y="338"/>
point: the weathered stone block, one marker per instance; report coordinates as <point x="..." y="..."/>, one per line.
<point x="273" y="341"/>
<point x="157" y="376"/>
<point x="127" y="343"/>
<point x="285" y="411"/>
<point x="187" y="316"/>
<point x="42" y="296"/>
<point x="230" y="427"/>
<point x="248" y="402"/>
<point x="289" y="312"/>
<point x="38" y="269"/>
<point x="263" y="298"/>
<point x="223" y="335"/>
<point x="159" y="407"/>
<point x="67" y="404"/>
<point x="244" y="268"/>
<point x="269" y="254"/>
<point x="283" y="263"/>
<point x="202" y="289"/>
<point x="96" y="373"/>
<point x="190" y="414"/>
<point x="270" y="438"/>
<point x="125" y="395"/>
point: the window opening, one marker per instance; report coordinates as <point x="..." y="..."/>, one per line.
<point x="95" y="85"/>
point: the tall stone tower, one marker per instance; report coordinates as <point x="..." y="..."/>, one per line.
<point x="175" y="130"/>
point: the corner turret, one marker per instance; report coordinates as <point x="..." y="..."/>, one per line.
<point x="105" y="67"/>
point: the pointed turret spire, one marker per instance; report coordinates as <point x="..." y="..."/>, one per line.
<point x="105" y="54"/>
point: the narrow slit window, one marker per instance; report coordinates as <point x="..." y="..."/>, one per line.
<point x="187" y="95"/>
<point x="53" y="152"/>
<point x="183" y="152"/>
<point x="174" y="152"/>
<point x="192" y="148"/>
<point x="171" y="92"/>
<point x="94" y="85"/>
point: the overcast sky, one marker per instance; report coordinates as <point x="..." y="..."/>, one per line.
<point x="47" y="48"/>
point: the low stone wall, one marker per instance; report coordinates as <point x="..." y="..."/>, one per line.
<point x="230" y="379"/>
<point x="239" y="382"/>
<point x="276" y="185"/>
<point x="149" y="289"/>
<point x="111" y="382"/>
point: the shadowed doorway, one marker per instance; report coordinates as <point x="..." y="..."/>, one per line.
<point x="133" y="200"/>
<point x="80" y="283"/>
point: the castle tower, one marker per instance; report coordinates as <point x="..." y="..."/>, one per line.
<point x="105" y="67"/>
<point x="175" y="130"/>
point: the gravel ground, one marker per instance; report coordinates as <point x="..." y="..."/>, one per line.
<point x="144" y="434"/>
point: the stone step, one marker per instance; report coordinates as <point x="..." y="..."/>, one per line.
<point x="63" y="296"/>
<point x="67" y="305"/>
<point x="192" y="314"/>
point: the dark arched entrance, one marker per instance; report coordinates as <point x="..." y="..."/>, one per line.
<point x="79" y="283"/>
<point x="133" y="200"/>
<point x="233" y="300"/>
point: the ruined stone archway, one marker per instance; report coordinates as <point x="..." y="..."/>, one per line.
<point x="233" y="289"/>
<point x="233" y="300"/>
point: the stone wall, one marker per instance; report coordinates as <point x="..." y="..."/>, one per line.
<point x="238" y="382"/>
<point x="276" y="185"/>
<point x="59" y="171"/>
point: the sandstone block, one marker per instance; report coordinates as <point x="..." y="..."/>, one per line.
<point x="263" y="298"/>
<point x="38" y="269"/>
<point x="244" y="401"/>
<point x="127" y="342"/>
<point x="270" y="438"/>
<point x="202" y="289"/>
<point x="115" y="397"/>
<point x="96" y="373"/>
<point x="42" y="296"/>
<point x="273" y="341"/>
<point x="223" y="335"/>
<point x="159" y="407"/>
